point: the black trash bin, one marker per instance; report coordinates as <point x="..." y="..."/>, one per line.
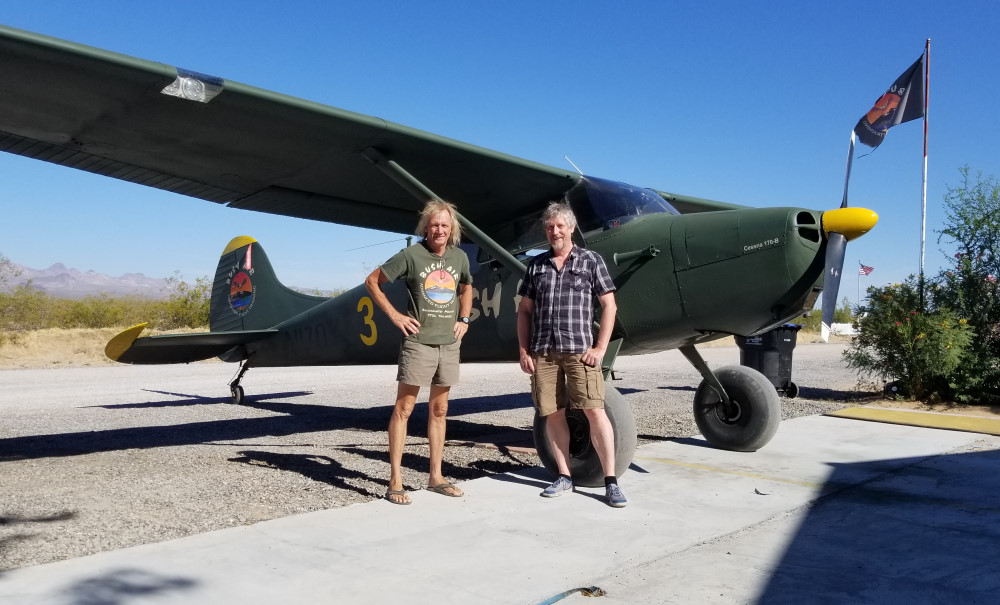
<point x="770" y="354"/>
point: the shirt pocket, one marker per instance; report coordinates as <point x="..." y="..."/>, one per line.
<point x="540" y="280"/>
<point x="579" y="280"/>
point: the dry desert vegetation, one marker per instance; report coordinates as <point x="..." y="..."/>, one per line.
<point x="59" y="348"/>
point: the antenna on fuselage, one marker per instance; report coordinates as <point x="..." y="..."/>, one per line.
<point x="408" y="241"/>
<point x="573" y="165"/>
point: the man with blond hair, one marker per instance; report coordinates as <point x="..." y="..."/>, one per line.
<point x="437" y="276"/>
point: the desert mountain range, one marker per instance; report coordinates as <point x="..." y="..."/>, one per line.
<point x="58" y="281"/>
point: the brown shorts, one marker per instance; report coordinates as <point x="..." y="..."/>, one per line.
<point x="562" y="380"/>
<point x="425" y="365"/>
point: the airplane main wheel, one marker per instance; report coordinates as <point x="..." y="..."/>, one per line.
<point x="752" y="418"/>
<point x="585" y="465"/>
<point x="237" y="392"/>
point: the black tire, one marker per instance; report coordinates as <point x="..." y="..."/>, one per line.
<point x="585" y="465"/>
<point x="792" y="391"/>
<point x="237" y="392"/>
<point x="753" y="417"/>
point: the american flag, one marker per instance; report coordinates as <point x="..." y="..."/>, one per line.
<point x="865" y="269"/>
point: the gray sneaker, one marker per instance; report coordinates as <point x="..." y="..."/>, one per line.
<point x="615" y="496"/>
<point x="558" y="488"/>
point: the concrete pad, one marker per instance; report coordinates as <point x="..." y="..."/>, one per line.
<point x="934" y="420"/>
<point x="832" y="510"/>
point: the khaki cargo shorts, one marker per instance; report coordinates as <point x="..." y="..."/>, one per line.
<point x="425" y="365"/>
<point x="562" y="380"/>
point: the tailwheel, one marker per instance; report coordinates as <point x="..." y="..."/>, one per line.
<point x="750" y="419"/>
<point x="585" y="465"/>
<point x="237" y="392"/>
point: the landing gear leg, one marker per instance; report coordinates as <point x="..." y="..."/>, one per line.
<point x="234" y="386"/>
<point x="736" y="408"/>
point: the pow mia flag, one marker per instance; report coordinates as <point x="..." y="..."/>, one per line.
<point x="904" y="101"/>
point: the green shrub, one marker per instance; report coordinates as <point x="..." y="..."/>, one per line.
<point x="24" y="308"/>
<point x="970" y="288"/>
<point x="187" y="306"/>
<point x="897" y="342"/>
<point x="976" y="296"/>
<point x="811" y="321"/>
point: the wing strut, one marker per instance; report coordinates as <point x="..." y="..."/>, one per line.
<point x="420" y="191"/>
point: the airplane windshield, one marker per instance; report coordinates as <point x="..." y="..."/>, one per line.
<point x="600" y="204"/>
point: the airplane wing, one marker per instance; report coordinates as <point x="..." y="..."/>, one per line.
<point x="127" y="347"/>
<point x="241" y="146"/>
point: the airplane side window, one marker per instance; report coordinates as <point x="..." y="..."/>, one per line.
<point x="529" y="254"/>
<point x="477" y="256"/>
<point x="520" y="235"/>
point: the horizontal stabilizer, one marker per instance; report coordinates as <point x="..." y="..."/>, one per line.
<point x="126" y="347"/>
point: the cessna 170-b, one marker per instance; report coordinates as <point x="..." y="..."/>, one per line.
<point x="687" y="270"/>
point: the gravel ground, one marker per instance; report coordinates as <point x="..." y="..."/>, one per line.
<point x="94" y="459"/>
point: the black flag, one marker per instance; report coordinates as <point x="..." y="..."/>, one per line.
<point x="904" y="101"/>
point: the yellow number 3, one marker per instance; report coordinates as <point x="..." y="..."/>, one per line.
<point x="366" y="304"/>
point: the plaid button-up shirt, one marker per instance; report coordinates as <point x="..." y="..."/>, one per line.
<point x="564" y="300"/>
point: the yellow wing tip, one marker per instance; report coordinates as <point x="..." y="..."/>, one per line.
<point x="237" y="243"/>
<point x="117" y="346"/>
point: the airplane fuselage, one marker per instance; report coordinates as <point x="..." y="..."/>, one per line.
<point x="681" y="279"/>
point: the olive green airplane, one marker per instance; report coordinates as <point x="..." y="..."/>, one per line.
<point x="687" y="270"/>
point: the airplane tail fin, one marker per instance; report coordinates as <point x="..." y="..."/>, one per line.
<point x="246" y="293"/>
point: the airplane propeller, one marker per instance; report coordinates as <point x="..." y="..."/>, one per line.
<point x="841" y="226"/>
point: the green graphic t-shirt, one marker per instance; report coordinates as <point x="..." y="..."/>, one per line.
<point x="432" y="282"/>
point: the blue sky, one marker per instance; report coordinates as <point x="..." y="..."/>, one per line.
<point x="744" y="102"/>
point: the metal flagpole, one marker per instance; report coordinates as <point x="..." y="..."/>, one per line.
<point x="923" y="195"/>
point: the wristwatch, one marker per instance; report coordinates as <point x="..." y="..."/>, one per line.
<point x="464" y="320"/>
